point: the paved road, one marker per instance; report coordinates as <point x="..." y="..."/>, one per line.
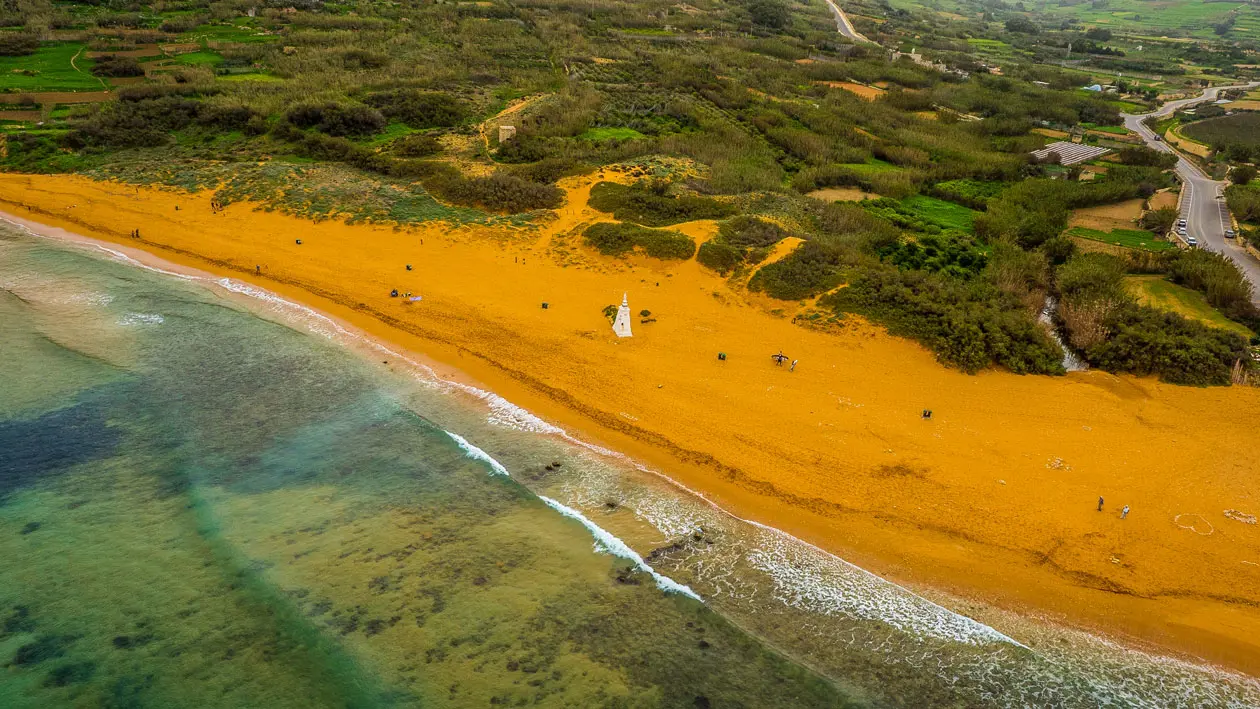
<point x="844" y="26"/>
<point x="1207" y="217"/>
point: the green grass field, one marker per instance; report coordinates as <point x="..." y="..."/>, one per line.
<point x="947" y="215"/>
<point x="227" y="33"/>
<point x="203" y="58"/>
<point x="610" y="134"/>
<point x="1158" y="292"/>
<point x="49" y="69"/>
<point x="1128" y="238"/>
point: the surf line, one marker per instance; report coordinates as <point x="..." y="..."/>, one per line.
<point x="605" y="541"/>
<point x="503" y="412"/>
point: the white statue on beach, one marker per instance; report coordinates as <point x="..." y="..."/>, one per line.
<point x="621" y="325"/>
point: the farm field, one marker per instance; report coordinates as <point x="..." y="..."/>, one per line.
<point x="1128" y="238"/>
<point x="49" y="69"/>
<point x="1159" y="292"/>
<point x="1238" y="129"/>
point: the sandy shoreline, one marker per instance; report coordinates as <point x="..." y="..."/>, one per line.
<point x="993" y="499"/>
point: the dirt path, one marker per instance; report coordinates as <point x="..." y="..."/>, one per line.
<point x="484" y="128"/>
<point x="76" y="68"/>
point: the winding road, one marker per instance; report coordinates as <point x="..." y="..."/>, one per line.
<point x="1206" y="216"/>
<point x="844" y="27"/>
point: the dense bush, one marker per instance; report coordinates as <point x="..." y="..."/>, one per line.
<point x="651" y="204"/>
<point x="739" y="240"/>
<point x="18" y="44"/>
<point x="337" y="119"/>
<point x="951" y="254"/>
<point x="814" y="267"/>
<point x="719" y="256"/>
<point x="1138" y="155"/>
<point x="419" y="109"/>
<point x="1146" y="341"/>
<point x="116" y="66"/>
<point x="416" y="146"/>
<point x="1244" y="202"/>
<point x="499" y="192"/>
<point x="619" y="239"/>
<point x="1217" y="278"/>
<point x="968" y="324"/>
<point x="151" y="122"/>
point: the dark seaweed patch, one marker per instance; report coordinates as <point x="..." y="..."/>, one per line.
<point x="72" y="673"/>
<point x="18" y="621"/>
<point x="45" y="647"/>
<point x="51" y="443"/>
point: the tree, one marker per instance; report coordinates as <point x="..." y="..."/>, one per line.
<point x="1099" y="34"/>
<point x="769" y="13"/>
<point x="1022" y="25"/>
<point x="17" y="44"/>
<point x="1242" y="174"/>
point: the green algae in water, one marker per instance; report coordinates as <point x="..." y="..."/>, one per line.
<point x="210" y="509"/>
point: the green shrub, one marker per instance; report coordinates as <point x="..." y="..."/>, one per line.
<point x="814" y="267"/>
<point x="619" y="239"/>
<point x="337" y="119"/>
<point x="1146" y="341"/>
<point x="116" y="66"/>
<point x="968" y="324"/>
<point x="416" y="146"/>
<point x="720" y="256"/>
<point x="651" y="205"/>
<point x="750" y="232"/>
<point x="951" y="254"/>
<point x="419" y="109"/>
<point x="18" y="44"/>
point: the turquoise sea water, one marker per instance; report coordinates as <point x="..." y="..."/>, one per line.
<point x="211" y="497"/>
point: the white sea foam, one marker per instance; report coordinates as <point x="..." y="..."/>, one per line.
<point x="477" y="454"/>
<point x="826" y="584"/>
<point x="141" y="319"/>
<point x="607" y="543"/>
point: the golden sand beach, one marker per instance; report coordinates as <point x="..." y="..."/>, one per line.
<point x="993" y="499"/>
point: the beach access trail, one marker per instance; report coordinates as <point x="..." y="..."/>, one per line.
<point x="993" y="499"/>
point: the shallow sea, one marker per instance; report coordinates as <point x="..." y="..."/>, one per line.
<point x="213" y="497"/>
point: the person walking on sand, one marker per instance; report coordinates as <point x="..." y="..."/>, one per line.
<point x="793" y="367"/>
<point x="258" y="269"/>
<point x="1124" y="512"/>
<point x="1100" y="503"/>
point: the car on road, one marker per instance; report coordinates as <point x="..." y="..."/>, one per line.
<point x="1157" y="138"/>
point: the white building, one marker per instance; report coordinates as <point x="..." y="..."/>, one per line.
<point x="621" y="325"/>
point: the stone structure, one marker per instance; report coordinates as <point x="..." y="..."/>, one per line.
<point x="621" y="325"/>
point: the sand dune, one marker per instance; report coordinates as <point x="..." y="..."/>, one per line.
<point x="994" y="498"/>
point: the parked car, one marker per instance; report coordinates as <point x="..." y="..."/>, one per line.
<point x="1191" y="242"/>
<point x="1229" y="234"/>
<point x="1181" y="222"/>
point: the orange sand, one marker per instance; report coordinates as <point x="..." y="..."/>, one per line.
<point x="992" y="499"/>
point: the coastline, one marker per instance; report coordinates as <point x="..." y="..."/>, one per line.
<point x="775" y="477"/>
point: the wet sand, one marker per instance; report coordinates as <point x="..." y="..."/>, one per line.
<point x="993" y="499"/>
